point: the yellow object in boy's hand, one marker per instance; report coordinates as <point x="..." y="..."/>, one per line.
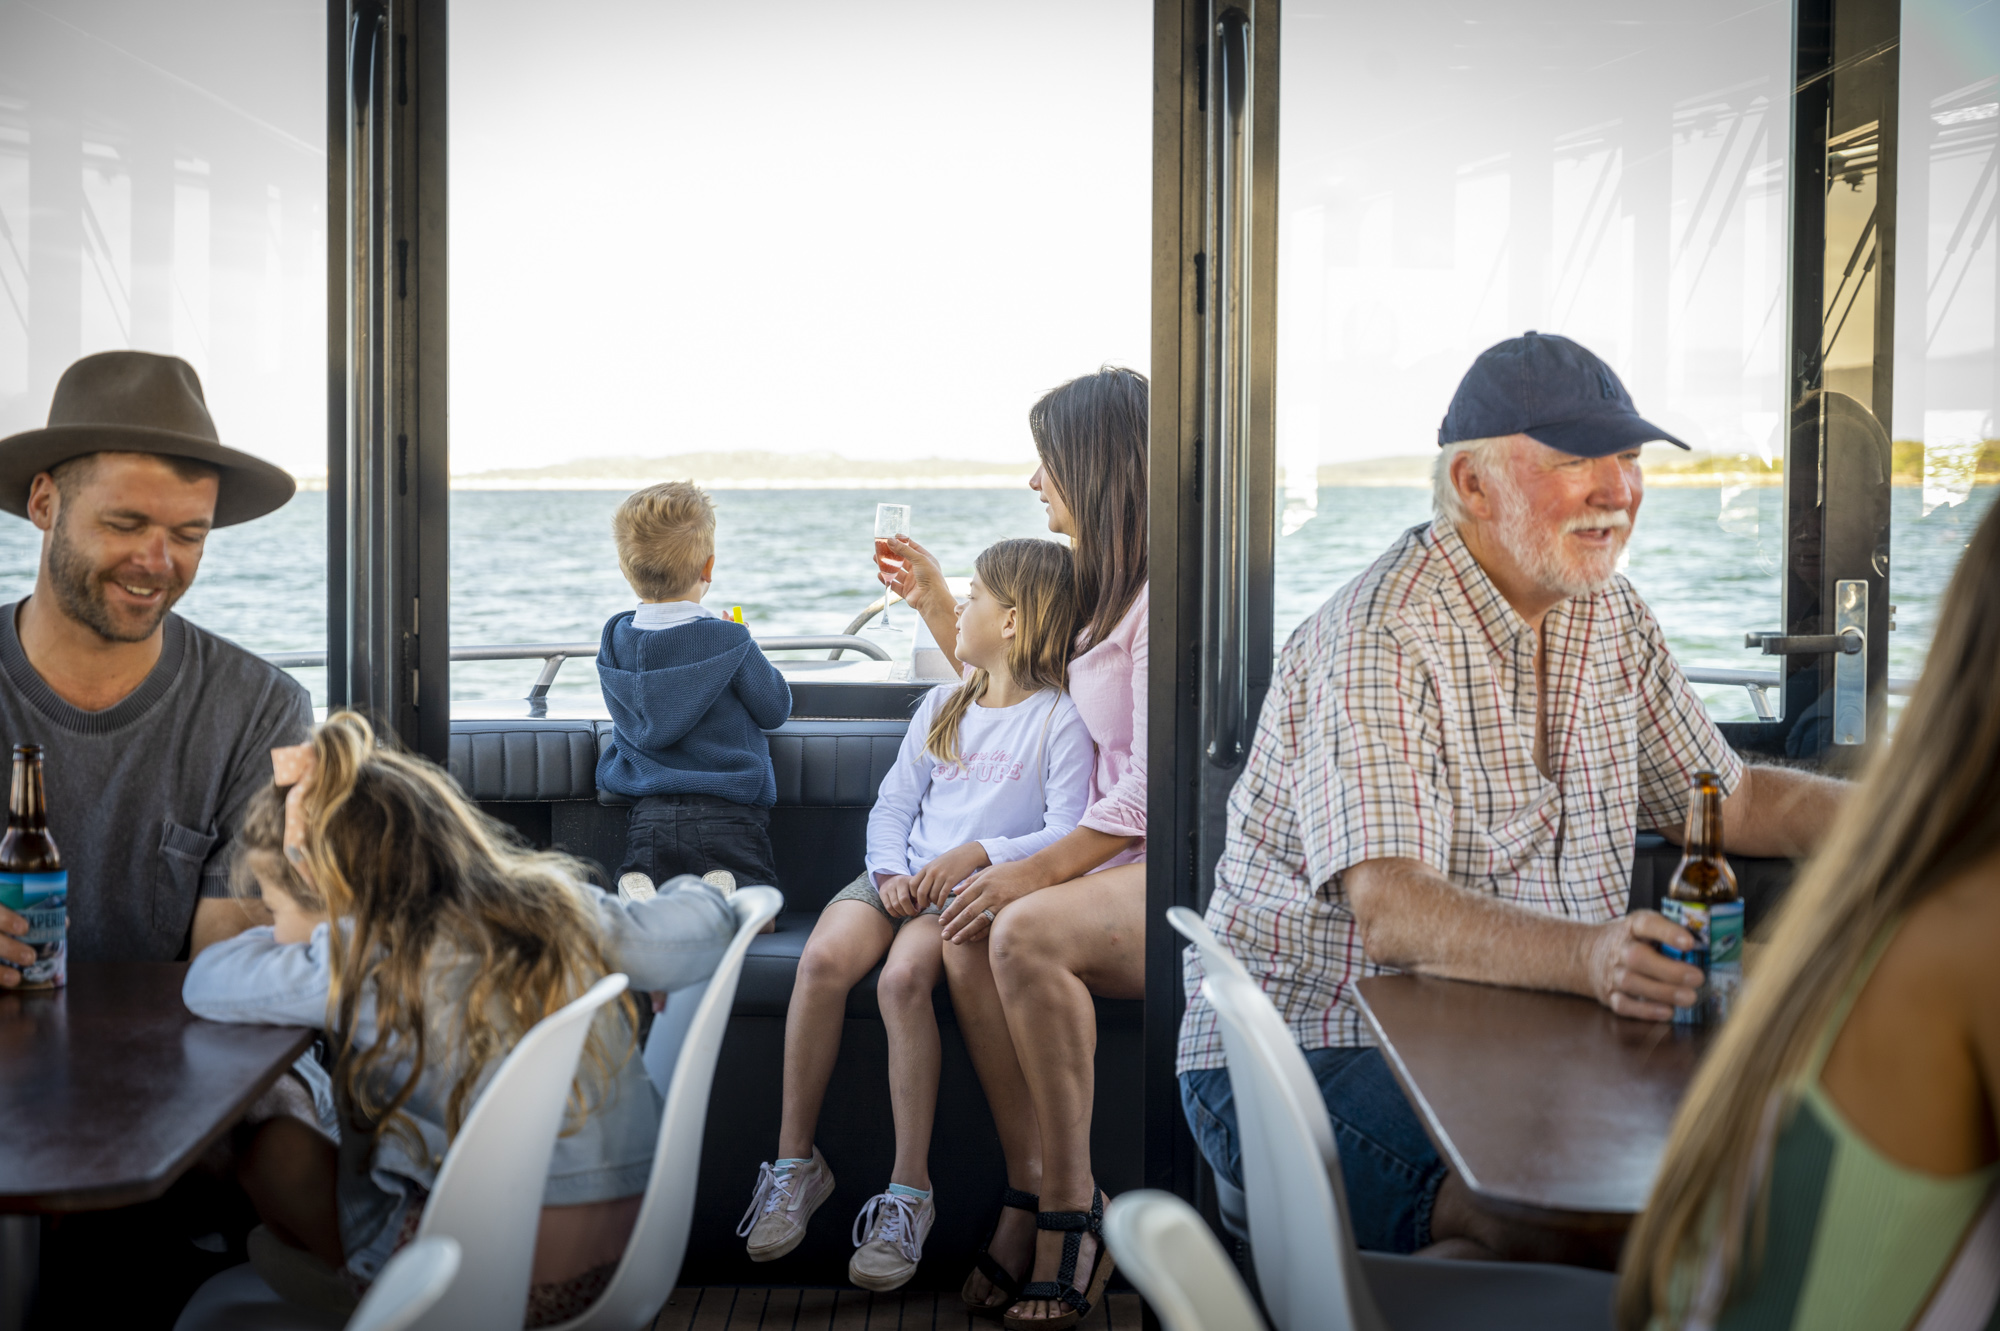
<point x="736" y="613"/>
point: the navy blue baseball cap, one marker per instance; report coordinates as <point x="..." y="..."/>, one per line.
<point x="1552" y="390"/>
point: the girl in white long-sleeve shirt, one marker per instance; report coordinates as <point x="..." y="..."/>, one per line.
<point x="991" y="770"/>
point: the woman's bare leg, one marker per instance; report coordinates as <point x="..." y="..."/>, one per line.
<point x="849" y="939"/>
<point x="904" y="995"/>
<point x="288" y="1171"/>
<point x="981" y="1020"/>
<point x="1051" y="951"/>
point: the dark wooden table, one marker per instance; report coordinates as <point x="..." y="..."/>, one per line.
<point x="109" y="1089"/>
<point x="1548" y="1106"/>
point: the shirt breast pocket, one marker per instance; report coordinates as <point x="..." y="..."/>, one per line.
<point x="176" y="885"/>
<point x="1515" y="843"/>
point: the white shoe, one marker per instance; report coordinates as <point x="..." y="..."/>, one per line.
<point x="635" y="886"/>
<point x="889" y="1239"/>
<point x="721" y="880"/>
<point x="784" y="1202"/>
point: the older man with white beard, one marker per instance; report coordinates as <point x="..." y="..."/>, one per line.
<point x="1449" y="772"/>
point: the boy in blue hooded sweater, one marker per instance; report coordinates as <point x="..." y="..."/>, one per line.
<point x="690" y="697"/>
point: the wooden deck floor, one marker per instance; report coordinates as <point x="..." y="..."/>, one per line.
<point x="753" y="1308"/>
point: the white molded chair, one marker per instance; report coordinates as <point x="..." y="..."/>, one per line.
<point x="1310" y="1272"/>
<point x="681" y="1052"/>
<point x="1229" y="1203"/>
<point x="1164" y="1248"/>
<point x="408" y="1286"/>
<point x="488" y="1197"/>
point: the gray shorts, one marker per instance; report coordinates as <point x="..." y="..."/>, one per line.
<point x="863" y="889"/>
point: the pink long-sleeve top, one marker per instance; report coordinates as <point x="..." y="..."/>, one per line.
<point x="1108" y="683"/>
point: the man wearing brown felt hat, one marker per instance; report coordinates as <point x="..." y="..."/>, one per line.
<point x="155" y="733"/>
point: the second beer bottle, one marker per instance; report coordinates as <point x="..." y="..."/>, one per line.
<point x="1702" y="900"/>
<point x="33" y="883"/>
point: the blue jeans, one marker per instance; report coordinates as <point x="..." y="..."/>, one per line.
<point x="1391" y="1169"/>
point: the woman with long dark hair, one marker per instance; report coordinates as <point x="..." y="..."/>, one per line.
<point x="1836" y="1160"/>
<point x="1034" y="939"/>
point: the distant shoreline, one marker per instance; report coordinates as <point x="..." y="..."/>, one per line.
<point x="610" y="485"/>
<point x="830" y="471"/>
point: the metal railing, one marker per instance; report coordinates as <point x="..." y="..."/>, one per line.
<point x="553" y="654"/>
<point x="1758" y="683"/>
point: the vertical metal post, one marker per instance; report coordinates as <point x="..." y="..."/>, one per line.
<point x="1173" y="559"/>
<point x="388" y="505"/>
<point x="1213" y="478"/>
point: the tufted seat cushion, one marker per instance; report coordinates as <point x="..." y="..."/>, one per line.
<point x="819" y="764"/>
<point x="515" y="761"/>
<point x="766" y="987"/>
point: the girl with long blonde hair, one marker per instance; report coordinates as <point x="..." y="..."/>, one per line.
<point x="425" y="942"/>
<point x="990" y="771"/>
<point x="1834" y="1165"/>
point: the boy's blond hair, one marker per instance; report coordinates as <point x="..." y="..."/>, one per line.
<point x="664" y="534"/>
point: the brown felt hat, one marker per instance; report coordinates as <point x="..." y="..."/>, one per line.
<point x="137" y="402"/>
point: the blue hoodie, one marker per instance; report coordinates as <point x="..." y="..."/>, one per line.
<point x="689" y="707"/>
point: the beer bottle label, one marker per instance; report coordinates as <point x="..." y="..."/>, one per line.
<point x="1718" y="950"/>
<point x="1692" y="916"/>
<point x="1725" y="960"/>
<point x="42" y="899"/>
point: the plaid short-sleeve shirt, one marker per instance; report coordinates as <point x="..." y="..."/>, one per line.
<point x="1401" y="724"/>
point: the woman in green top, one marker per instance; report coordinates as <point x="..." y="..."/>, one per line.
<point x="1834" y="1164"/>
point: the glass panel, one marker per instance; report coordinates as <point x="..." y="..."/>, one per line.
<point x="774" y="246"/>
<point x="163" y="187"/>
<point x="1611" y="172"/>
<point x="1947" y="372"/>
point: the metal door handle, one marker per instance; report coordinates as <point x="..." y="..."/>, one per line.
<point x="1847" y="642"/>
<point x="1848" y="645"/>
<point x="1226" y="406"/>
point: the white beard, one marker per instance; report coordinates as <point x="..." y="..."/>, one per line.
<point x="1538" y="546"/>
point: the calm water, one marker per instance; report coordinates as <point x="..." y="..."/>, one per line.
<point x="539" y="567"/>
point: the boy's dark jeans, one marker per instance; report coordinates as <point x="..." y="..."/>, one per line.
<point x="674" y="834"/>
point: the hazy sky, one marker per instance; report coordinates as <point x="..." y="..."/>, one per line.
<point x="682" y="227"/>
<point x="884" y="230"/>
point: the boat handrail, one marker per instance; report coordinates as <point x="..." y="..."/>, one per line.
<point x="553" y="654"/>
<point x="1757" y="682"/>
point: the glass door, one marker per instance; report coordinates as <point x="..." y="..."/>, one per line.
<point x="1612" y="173"/>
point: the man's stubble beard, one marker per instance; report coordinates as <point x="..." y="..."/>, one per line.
<point x="79" y="590"/>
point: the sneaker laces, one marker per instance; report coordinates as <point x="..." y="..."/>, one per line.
<point x="895" y="1217"/>
<point x="775" y="1192"/>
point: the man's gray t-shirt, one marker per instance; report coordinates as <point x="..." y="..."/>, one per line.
<point x="145" y="797"/>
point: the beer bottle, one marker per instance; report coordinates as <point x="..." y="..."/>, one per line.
<point x="33" y="883"/>
<point x="1702" y="900"/>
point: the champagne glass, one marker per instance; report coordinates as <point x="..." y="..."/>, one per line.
<point x="890" y="520"/>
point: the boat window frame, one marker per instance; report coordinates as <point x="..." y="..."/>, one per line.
<point x="388" y="356"/>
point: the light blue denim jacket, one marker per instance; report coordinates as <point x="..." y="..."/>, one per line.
<point x="668" y="942"/>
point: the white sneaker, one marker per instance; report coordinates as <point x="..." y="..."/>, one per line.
<point x="635" y="886"/>
<point x="721" y="880"/>
<point x="889" y="1239"/>
<point x="785" y="1200"/>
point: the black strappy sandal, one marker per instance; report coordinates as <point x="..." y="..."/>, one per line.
<point x="1063" y="1288"/>
<point x="1010" y="1199"/>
